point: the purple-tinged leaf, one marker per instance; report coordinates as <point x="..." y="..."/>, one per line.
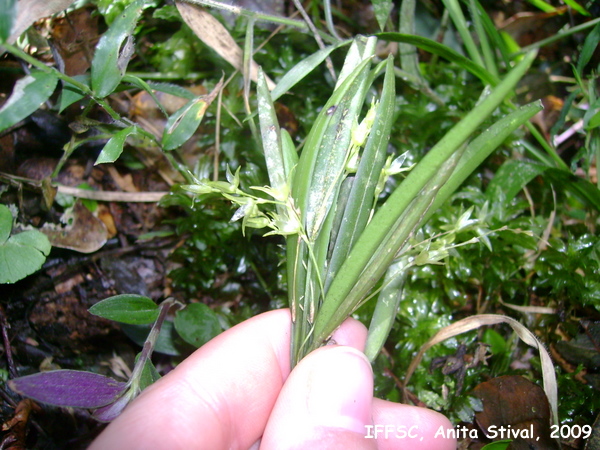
<point x="110" y="412"/>
<point x="72" y="388"/>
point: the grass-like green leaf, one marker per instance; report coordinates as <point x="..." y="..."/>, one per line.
<point x="197" y="324"/>
<point x="476" y="152"/>
<point x="302" y="69"/>
<point x="589" y="47"/>
<point x="382" y="9"/>
<point x="114" y="147"/>
<point x="114" y="51"/>
<point x="316" y="183"/>
<point x="443" y="51"/>
<point x="127" y="308"/>
<point x="361" y="197"/>
<point x="462" y="26"/>
<point x="27" y="96"/>
<point x="369" y="258"/>
<point x="271" y="135"/>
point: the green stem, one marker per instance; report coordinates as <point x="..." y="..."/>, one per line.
<point x="16" y="51"/>
<point x="150" y="342"/>
<point x="556" y="37"/>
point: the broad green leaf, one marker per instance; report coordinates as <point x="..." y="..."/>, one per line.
<point x="114" y="147"/>
<point x="197" y="324"/>
<point x="382" y="10"/>
<point x="27" y="96"/>
<point x="69" y="388"/>
<point x="114" y="51"/>
<point x="185" y="121"/>
<point x="8" y="13"/>
<point x="581" y="188"/>
<point x="127" y="308"/>
<point x="71" y="94"/>
<point x="6" y="223"/>
<point x="443" y="51"/>
<point x="22" y="254"/>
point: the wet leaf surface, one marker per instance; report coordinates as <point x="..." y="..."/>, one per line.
<point x="516" y="403"/>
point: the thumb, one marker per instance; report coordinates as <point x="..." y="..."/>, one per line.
<point x="325" y="403"/>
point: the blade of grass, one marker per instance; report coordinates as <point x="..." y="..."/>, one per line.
<point x="346" y="291"/>
<point x="458" y="18"/>
<point x="303" y="68"/>
<point x="443" y="51"/>
<point x="486" y="49"/>
<point x="315" y="184"/>
<point x="361" y="198"/>
<point x="539" y="44"/>
<point x="476" y="152"/>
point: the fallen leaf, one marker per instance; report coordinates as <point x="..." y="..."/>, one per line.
<point x="515" y="402"/>
<point x="85" y="234"/>
<point x="216" y="36"/>
<point x="29" y="11"/>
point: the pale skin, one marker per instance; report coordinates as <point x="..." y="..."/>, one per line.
<point x="237" y="392"/>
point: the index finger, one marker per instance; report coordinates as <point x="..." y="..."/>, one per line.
<point x="222" y="395"/>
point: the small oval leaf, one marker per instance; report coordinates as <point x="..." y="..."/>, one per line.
<point x="127" y="308"/>
<point x="197" y="324"/>
<point x="114" y="147"/>
<point x="72" y="388"/>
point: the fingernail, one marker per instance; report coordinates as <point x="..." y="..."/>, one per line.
<point x="340" y="392"/>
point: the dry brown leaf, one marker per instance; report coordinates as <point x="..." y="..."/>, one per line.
<point x="477" y="321"/>
<point x="86" y="234"/>
<point x="29" y="11"/>
<point x="216" y="36"/>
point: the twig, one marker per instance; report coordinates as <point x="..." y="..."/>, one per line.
<point x="109" y="196"/>
<point x="7" y="349"/>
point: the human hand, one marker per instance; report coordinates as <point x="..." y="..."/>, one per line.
<point x="237" y="392"/>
